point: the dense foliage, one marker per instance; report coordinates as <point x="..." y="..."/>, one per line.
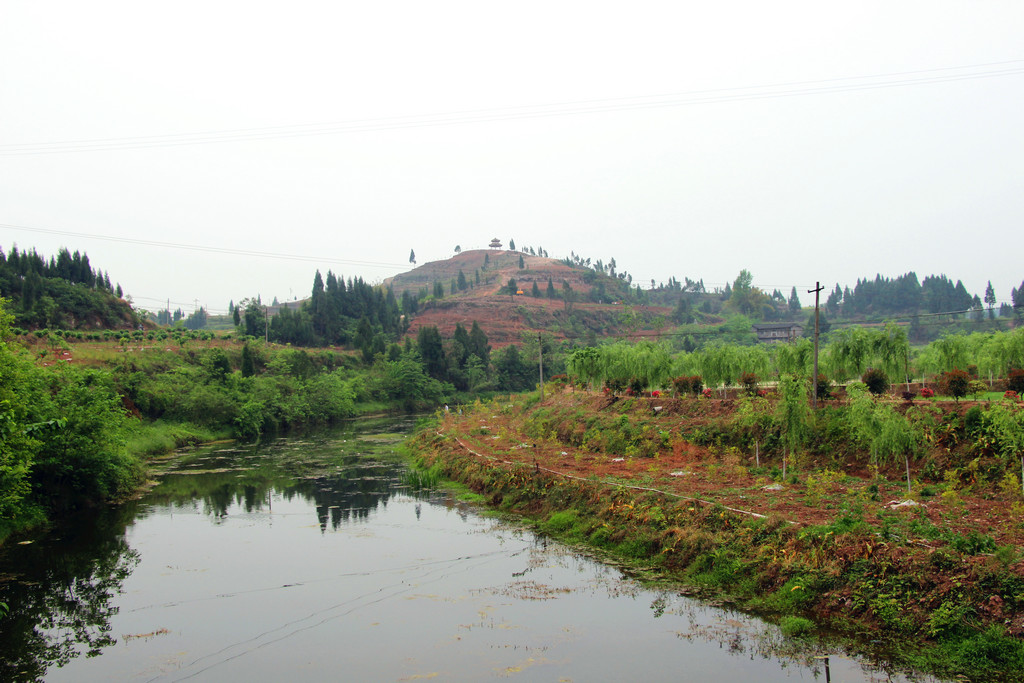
<point x="61" y="292"/>
<point x="870" y="352"/>
<point x="62" y="437"/>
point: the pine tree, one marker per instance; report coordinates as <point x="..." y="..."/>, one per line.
<point x="248" y="365"/>
<point x="512" y="245"/>
<point x="990" y="300"/>
<point x="478" y="345"/>
<point x="412" y="256"/>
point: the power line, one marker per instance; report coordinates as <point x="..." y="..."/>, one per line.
<point x="897" y="79"/>
<point x="214" y="250"/>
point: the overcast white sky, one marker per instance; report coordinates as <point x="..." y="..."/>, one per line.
<point x="802" y="141"/>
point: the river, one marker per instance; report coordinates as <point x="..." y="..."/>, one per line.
<point x="313" y="559"/>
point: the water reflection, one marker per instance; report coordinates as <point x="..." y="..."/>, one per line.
<point x="302" y="559"/>
<point x="61" y="587"/>
<point x="61" y="595"/>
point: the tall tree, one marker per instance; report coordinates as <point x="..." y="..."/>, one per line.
<point x="478" y="344"/>
<point x="431" y="349"/>
<point x="512" y="245"/>
<point x="990" y="300"/>
<point x="412" y="256"/>
<point x="794" y="302"/>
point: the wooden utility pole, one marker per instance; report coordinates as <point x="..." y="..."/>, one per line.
<point x="814" y="378"/>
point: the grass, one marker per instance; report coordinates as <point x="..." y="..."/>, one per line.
<point x="159" y="438"/>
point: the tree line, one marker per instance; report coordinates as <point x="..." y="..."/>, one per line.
<point x="62" y="291"/>
<point x="849" y="354"/>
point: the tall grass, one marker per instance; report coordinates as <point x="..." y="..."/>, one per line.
<point x="159" y="438"/>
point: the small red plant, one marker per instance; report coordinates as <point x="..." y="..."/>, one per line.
<point x="762" y="392"/>
<point x="707" y="393"/>
<point x="1011" y="395"/>
<point x="655" y="393"/>
<point x="927" y="393"/>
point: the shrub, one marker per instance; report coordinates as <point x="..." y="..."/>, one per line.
<point x="927" y="393"/>
<point x="748" y="380"/>
<point x="909" y="396"/>
<point x="795" y="626"/>
<point x="977" y="388"/>
<point x="824" y="386"/>
<point x="876" y="380"/>
<point x="681" y="385"/>
<point x="1015" y="381"/>
<point x="955" y="383"/>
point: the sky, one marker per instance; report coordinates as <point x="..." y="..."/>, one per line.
<point x="204" y="152"/>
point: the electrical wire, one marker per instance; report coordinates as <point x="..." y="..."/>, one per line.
<point x="897" y="79"/>
<point x="213" y="250"/>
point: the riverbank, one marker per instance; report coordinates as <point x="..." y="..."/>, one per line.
<point x="933" y="577"/>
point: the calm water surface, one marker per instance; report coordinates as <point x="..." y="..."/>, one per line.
<point x="308" y="559"/>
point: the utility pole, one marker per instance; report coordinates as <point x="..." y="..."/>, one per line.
<point x="814" y="379"/>
<point x="540" y="357"/>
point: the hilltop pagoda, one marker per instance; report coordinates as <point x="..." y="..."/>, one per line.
<point x="495" y="243"/>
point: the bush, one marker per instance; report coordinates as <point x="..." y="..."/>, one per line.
<point x="1015" y="381"/>
<point x="955" y="383"/>
<point x="748" y="380"/>
<point x="824" y="387"/>
<point x="692" y="384"/>
<point x="876" y="380"/>
<point x="795" y="626"/>
<point x="681" y="384"/>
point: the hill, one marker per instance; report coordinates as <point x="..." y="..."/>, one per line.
<point x="64" y="292"/>
<point x="551" y="296"/>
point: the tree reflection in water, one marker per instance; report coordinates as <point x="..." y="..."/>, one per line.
<point x="61" y="599"/>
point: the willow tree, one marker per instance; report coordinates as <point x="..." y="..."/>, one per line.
<point x="754" y="417"/>
<point x="793" y="415"/>
<point x="584" y="365"/>
<point x="997" y="353"/>
<point x="720" y="365"/>
<point x="649" y="363"/>
<point x="848" y="353"/>
<point x="796" y="358"/>
<point x="755" y="359"/>
<point x="887" y="434"/>
<point x="952" y="351"/>
<point x="643" y="365"/>
<point x="892" y="351"/>
<point x="1007" y="420"/>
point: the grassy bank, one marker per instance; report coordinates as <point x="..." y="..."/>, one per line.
<point x="932" y="579"/>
